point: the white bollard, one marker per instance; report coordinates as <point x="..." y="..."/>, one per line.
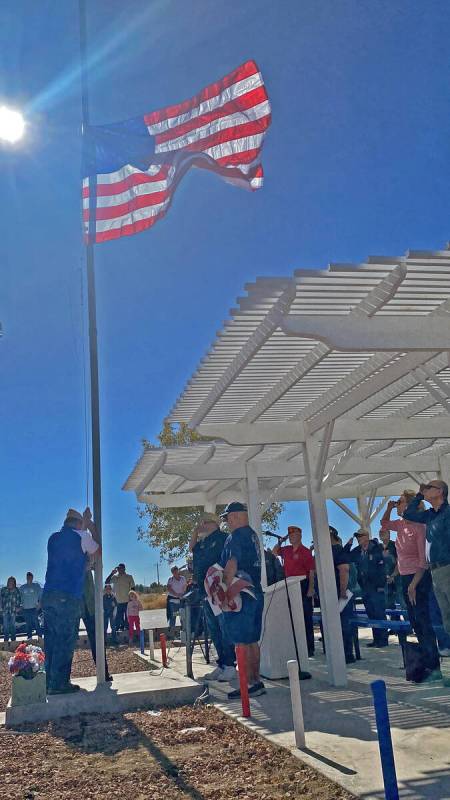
<point x="296" y="700"/>
<point x="151" y="644"/>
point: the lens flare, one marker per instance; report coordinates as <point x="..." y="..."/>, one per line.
<point x="12" y="125"/>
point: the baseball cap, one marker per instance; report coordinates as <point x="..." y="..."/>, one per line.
<point x="72" y="514"/>
<point x="208" y="516"/>
<point x="361" y="532"/>
<point x="235" y="506"/>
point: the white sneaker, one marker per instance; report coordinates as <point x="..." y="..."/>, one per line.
<point x="227" y="674"/>
<point x="445" y="652"/>
<point x="214" y="675"/>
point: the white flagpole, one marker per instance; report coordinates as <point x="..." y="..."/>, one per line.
<point x="93" y="358"/>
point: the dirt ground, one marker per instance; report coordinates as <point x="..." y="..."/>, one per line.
<point x="139" y="756"/>
<point x="120" y="659"/>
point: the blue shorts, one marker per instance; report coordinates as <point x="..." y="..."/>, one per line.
<point x="244" y="626"/>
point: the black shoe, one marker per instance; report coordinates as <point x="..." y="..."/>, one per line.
<point x="350" y="660"/>
<point x="371" y="644"/>
<point x="310" y="653"/>
<point x="108" y="679"/>
<point x="303" y="675"/>
<point x="234" y="695"/>
<point x="257" y="689"/>
<point x="69" y="688"/>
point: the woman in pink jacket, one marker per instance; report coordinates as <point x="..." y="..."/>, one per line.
<point x="416" y="578"/>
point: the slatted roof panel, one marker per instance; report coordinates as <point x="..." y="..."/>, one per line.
<point x="252" y="357"/>
<point x="254" y="372"/>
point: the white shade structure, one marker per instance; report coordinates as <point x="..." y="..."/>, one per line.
<point x="328" y="383"/>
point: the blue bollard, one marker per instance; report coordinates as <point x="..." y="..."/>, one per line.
<point x="141" y="641"/>
<point x="384" y="740"/>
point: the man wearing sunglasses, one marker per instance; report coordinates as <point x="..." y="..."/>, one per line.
<point x="437" y="521"/>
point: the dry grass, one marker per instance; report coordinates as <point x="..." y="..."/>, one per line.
<point x="153" y="601"/>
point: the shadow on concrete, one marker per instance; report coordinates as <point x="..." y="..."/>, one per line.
<point x="329" y="762"/>
<point x="434" y="785"/>
<point x="112" y="735"/>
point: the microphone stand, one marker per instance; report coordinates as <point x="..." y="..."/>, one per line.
<point x="302" y="674"/>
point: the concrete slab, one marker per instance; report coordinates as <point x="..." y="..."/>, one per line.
<point x="340" y="725"/>
<point x="127" y="692"/>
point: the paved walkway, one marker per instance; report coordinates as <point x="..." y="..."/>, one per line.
<point x="340" y="729"/>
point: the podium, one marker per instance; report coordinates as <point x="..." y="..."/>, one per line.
<point x="277" y="640"/>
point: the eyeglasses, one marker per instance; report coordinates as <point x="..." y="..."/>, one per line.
<point x="430" y="486"/>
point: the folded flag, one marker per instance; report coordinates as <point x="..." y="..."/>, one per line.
<point x="132" y="168"/>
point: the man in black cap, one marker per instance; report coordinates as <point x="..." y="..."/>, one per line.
<point x="206" y="545"/>
<point x="242" y="555"/>
<point x="369" y="562"/>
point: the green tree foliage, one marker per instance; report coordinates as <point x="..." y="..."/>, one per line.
<point x="169" y="529"/>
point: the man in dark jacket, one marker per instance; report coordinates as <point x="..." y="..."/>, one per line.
<point x="68" y="552"/>
<point x="206" y="546"/>
<point x="369" y="562"/>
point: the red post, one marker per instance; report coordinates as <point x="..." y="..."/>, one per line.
<point x="162" y="640"/>
<point x="243" y="685"/>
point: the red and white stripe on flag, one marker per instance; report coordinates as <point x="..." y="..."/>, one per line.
<point x="221" y="129"/>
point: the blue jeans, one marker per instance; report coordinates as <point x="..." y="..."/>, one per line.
<point x="111" y="619"/>
<point x="9" y="626"/>
<point x="226" y="656"/>
<point x="443" y="639"/>
<point x="30" y="615"/>
<point x="121" y="617"/>
<point x="173" y="608"/>
<point x="61" y="623"/>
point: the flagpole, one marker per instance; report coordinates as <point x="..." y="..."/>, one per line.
<point x="93" y="358"/>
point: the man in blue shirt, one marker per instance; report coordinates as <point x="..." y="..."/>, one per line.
<point x="242" y="554"/>
<point x="437" y="521"/>
<point x="68" y="552"/>
<point x="31" y="598"/>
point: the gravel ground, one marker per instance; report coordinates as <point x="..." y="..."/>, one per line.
<point x="120" y="659"/>
<point x="139" y="756"/>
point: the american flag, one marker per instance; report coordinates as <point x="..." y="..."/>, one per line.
<point x="132" y="168"/>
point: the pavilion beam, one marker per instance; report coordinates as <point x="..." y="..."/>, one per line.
<point x="345" y="429"/>
<point x="348" y="333"/>
<point x="254" y="514"/>
<point x="344" y="507"/>
<point x="379" y="507"/>
<point x="158" y="464"/>
<point x="444" y="469"/>
<point x="332" y="630"/>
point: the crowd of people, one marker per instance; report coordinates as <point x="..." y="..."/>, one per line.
<point x="408" y="577"/>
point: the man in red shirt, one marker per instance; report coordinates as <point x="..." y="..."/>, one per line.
<point x="297" y="560"/>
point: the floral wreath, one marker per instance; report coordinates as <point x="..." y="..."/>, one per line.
<point x="27" y="661"/>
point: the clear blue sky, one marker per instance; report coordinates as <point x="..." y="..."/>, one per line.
<point x="356" y="163"/>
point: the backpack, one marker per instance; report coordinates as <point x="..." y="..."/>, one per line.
<point x="414" y="662"/>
